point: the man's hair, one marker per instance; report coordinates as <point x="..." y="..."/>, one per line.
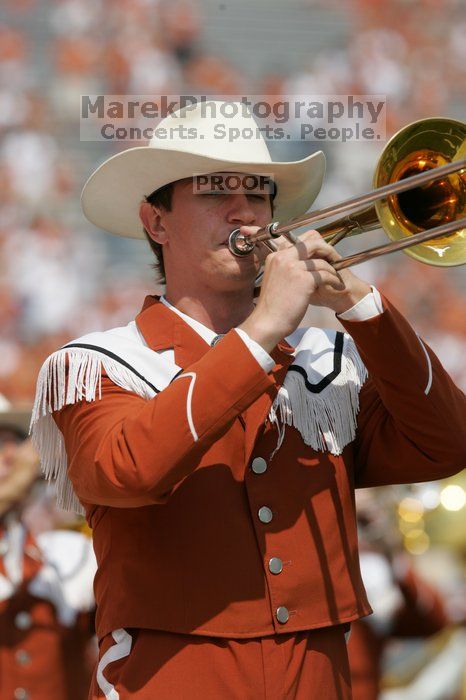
<point x="163" y="198"/>
<point x="20" y="433"/>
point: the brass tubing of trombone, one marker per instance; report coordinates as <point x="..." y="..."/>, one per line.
<point x="338" y="236"/>
<point x="274" y="230"/>
<point x="351" y="225"/>
<point x="392" y="247"/>
<point x="369" y="198"/>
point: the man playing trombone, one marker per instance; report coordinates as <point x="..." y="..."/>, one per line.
<point x="215" y="445"/>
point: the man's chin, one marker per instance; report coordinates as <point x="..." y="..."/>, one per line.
<point x="237" y="277"/>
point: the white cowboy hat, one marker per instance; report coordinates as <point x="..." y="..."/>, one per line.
<point x="113" y="193"/>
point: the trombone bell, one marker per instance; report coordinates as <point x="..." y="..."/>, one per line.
<point x="419" y="196"/>
<point x="421" y="146"/>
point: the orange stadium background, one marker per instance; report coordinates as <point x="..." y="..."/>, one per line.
<point x="61" y="277"/>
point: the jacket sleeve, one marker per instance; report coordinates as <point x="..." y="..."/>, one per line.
<point x="127" y="451"/>
<point x="412" y="418"/>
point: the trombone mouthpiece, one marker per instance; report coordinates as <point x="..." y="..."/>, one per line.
<point x="239" y="244"/>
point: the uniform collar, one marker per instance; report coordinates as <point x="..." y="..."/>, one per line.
<point x="207" y="334"/>
<point x="163" y="328"/>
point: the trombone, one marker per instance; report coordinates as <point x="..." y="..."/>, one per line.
<point x="419" y="201"/>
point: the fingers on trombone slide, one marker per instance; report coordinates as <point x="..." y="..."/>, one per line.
<point x="270" y="245"/>
<point x="290" y="236"/>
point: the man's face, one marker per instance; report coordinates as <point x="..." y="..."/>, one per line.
<point x="197" y="230"/>
<point x="9" y="443"/>
<point x="19" y="465"/>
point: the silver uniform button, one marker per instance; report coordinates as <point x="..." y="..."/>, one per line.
<point x="265" y="514"/>
<point x="259" y="465"/>
<point x="22" y="657"/>
<point x="21" y="694"/>
<point x="23" y="620"/>
<point x="275" y="565"/>
<point x="282" y="614"/>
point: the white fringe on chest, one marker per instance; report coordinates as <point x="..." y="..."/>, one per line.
<point x="326" y="420"/>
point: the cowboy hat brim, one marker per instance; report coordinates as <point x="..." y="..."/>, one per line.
<point x="113" y="193"/>
<point x="17" y="420"/>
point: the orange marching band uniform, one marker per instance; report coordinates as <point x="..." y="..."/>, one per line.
<point x="46" y="613"/>
<point x="209" y="506"/>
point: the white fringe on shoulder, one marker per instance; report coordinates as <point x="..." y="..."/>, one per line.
<point x="67" y="376"/>
<point x="326" y="420"/>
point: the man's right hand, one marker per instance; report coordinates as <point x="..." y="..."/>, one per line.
<point x="294" y="277"/>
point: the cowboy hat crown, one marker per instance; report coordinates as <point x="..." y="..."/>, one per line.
<point x="196" y="141"/>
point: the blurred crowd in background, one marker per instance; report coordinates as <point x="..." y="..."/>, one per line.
<point x="60" y="277"/>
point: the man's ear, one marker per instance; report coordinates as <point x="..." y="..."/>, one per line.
<point x="152" y="221"/>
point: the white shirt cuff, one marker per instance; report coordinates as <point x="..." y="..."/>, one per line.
<point x="368" y="307"/>
<point x="263" y="357"/>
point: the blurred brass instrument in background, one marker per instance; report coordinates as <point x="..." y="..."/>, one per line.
<point x="419" y="201"/>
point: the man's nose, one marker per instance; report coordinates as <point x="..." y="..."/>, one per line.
<point x="240" y="210"/>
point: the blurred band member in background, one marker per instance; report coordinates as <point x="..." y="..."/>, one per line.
<point x="404" y="605"/>
<point x="46" y="599"/>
